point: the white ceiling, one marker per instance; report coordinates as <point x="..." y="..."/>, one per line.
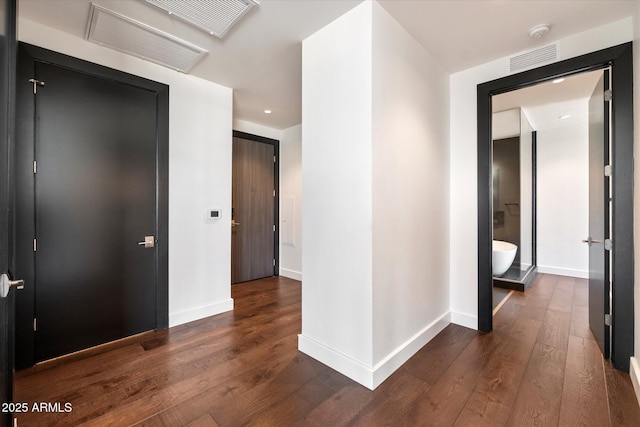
<point x="545" y="103"/>
<point x="261" y="58"/>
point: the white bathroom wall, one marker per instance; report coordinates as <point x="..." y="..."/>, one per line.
<point x="410" y="195"/>
<point x="635" y="361"/>
<point x="291" y="203"/>
<point x="563" y="199"/>
<point x="199" y="173"/>
<point x="463" y="161"/>
<point x="526" y="191"/>
<point x="337" y="194"/>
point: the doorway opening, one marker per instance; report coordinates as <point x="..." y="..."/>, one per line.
<point x="619" y="59"/>
<point x="254" y="207"/>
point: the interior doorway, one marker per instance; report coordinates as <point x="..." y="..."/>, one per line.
<point x="619" y="58"/>
<point x="254" y="211"/>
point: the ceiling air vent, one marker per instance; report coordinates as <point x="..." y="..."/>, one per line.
<point x="213" y="16"/>
<point x="110" y="29"/>
<point x="535" y="58"/>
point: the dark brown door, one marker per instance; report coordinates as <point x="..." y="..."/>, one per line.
<point x="95" y="201"/>
<point x="7" y="296"/>
<point x="599" y="214"/>
<point x="253" y="198"/>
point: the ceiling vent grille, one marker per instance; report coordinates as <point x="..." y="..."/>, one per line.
<point x="213" y="16"/>
<point x="535" y="58"/>
<point x="108" y="28"/>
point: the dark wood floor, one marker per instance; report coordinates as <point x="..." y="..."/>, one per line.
<point x="539" y="367"/>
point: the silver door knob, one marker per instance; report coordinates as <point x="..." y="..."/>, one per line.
<point x="6" y="284"/>
<point x="149" y="242"/>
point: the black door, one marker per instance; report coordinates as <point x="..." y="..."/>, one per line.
<point x="7" y="79"/>
<point x="95" y="201"/>
<point x="599" y="214"/>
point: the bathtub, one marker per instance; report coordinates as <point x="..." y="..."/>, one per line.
<point x="503" y="255"/>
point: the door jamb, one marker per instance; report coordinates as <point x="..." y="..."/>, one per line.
<point x="276" y="186"/>
<point x="620" y="58"/>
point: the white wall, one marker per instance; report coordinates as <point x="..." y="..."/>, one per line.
<point x="291" y="203"/>
<point x="526" y="191"/>
<point x="410" y="193"/>
<point x="563" y="199"/>
<point x="256" y="129"/>
<point x="635" y="361"/>
<point x="199" y="173"/>
<point x="375" y="186"/>
<point x="463" y="160"/>
<point x="337" y="194"/>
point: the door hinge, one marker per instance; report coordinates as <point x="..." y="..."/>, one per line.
<point x="35" y="245"/>
<point x="274" y="227"/>
<point x="608" y="244"/>
<point x="607" y="319"/>
<point x="274" y="262"/>
<point x="608" y="170"/>
<point x="274" y="159"/>
<point x="36" y="83"/>
<point x="608" y="95"/>
<point x="274" y="193"/>
<point x="35" y="167"/>
<point x="35" y="324"/>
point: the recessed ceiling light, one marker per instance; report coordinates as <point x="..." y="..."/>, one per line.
<point x="539" y="31"/>
<point x="566" y="116"/>
<point x="267" y="111"/>
<point x="560" y="80"/>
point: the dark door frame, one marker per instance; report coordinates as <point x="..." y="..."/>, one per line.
<point x="276" y="186"/>
<point x="620" y="59"/>
<point x="24" y="263"/>
<point x="8" y="53"/>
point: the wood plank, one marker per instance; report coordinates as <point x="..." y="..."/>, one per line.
<point x="562" y="299"/>
<point x="539" y="396"/>
<point x="582" y="402"/>
<point x="490" y="404"/>
<point x="555" y="329"/>
<point x="623" y="407"/>
<point x="442" y="402"/>
<point x="579" y="326"/>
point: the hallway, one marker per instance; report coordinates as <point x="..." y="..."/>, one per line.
<point x="540" y="366"/>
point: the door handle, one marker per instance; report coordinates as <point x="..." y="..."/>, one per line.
<point x="589" y="241"/>
<point x="6" y="284"/>
<point x="149" y="242"/>
<point x="234" y="223"/>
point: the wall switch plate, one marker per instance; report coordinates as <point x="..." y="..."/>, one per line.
<point x="212" y="214"/>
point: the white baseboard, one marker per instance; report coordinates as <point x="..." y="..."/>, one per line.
<point x="291" y="274"/>
<point x="371" y="377"/>
<point x="334" y="359"/>
<point x="464" y="319"/>
<point x="190" y="315"/>
<point x="571" y="272"/>
<point x="634" y="373"/>
<point x="388" y="365"/>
